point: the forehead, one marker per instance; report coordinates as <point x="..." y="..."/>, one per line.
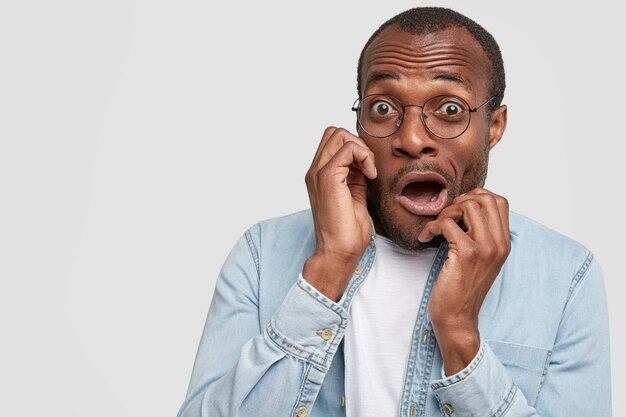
<point x="448" y="57"/>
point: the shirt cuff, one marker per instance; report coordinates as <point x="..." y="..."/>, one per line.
<point x="482" y="388"/>
<point x="308" y="325"/>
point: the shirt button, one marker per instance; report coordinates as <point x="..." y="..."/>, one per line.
<point x="412" y="410"/>
<point x="325" y="334"/>
<point x="343" y="400"/>
<point x="448" y="409"/>
<point x="358" y="270"/>
<point x="301" y="411"/>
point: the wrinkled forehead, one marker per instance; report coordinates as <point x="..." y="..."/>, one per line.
<point x="447" y="54"/>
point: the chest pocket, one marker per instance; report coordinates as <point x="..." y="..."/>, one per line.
<point x="525" y="364"/>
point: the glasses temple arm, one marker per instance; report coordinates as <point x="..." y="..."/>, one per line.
<point x="475" y="109"/>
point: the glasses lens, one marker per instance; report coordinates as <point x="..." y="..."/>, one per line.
<point x="379" y="115"/>
<point x="446" y="116"/>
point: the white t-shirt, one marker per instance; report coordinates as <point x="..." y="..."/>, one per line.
<point x="380" y="328"/>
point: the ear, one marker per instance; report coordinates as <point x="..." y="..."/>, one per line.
<point x="497" y="125"/>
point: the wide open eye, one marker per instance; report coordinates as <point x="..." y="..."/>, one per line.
<point x="446" y="116"/>
<point x="450" y="109"/>
<point x="381" y="108"/>
<point x="380" y="115"/>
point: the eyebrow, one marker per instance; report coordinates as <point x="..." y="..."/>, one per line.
<point x="457" y="78"/>
<point x="382" y="75"/>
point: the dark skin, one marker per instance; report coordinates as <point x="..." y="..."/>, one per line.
<point x="347" y="170"/>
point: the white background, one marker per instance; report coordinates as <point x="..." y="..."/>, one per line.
<point x="139" y="139"/>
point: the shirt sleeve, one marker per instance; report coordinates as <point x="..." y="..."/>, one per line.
<point x="482" y="388"/>
<point x="246" y="368"/>
<point x="577" y="380"/>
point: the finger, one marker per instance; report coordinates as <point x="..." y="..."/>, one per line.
<point x="476" y="222"/>
<point x="490" y="209"/>
<point x="446" y="227"/>
<point x="503" y="208"/>
<point x="468" y="210"/>
<point x="339" y="138"/>
<point x="357" y="184"/>
<point x="344" y="158"/>
<point x="432" y="229"/>
<point x="328" y="132"/>
<point x="496" y="211"/>
<point x="336" y="141"/>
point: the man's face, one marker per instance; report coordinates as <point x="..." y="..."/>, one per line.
<point x="418" y="173"/>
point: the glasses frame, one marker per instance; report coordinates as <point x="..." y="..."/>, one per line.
<point x="356" y="107"/>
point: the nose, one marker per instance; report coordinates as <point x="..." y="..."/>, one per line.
<point x="413" y="139"/>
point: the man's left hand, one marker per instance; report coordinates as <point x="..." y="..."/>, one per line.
<point x="476" y="253"/>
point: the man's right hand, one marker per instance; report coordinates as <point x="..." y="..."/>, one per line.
<point x="338" y="191"/>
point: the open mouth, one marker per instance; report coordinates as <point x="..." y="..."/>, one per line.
<point x="423" y="195"/>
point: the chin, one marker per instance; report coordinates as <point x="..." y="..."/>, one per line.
<point x="400" y="226"/>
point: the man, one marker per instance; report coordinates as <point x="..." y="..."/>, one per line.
<point x="408" y="289"/>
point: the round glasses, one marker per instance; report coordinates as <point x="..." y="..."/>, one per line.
<point x="446" y="117"/>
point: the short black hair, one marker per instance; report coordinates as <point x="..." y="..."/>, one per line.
<point x="424" y="20"/>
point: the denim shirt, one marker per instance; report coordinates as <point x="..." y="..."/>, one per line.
<point x="272" y="344"/>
